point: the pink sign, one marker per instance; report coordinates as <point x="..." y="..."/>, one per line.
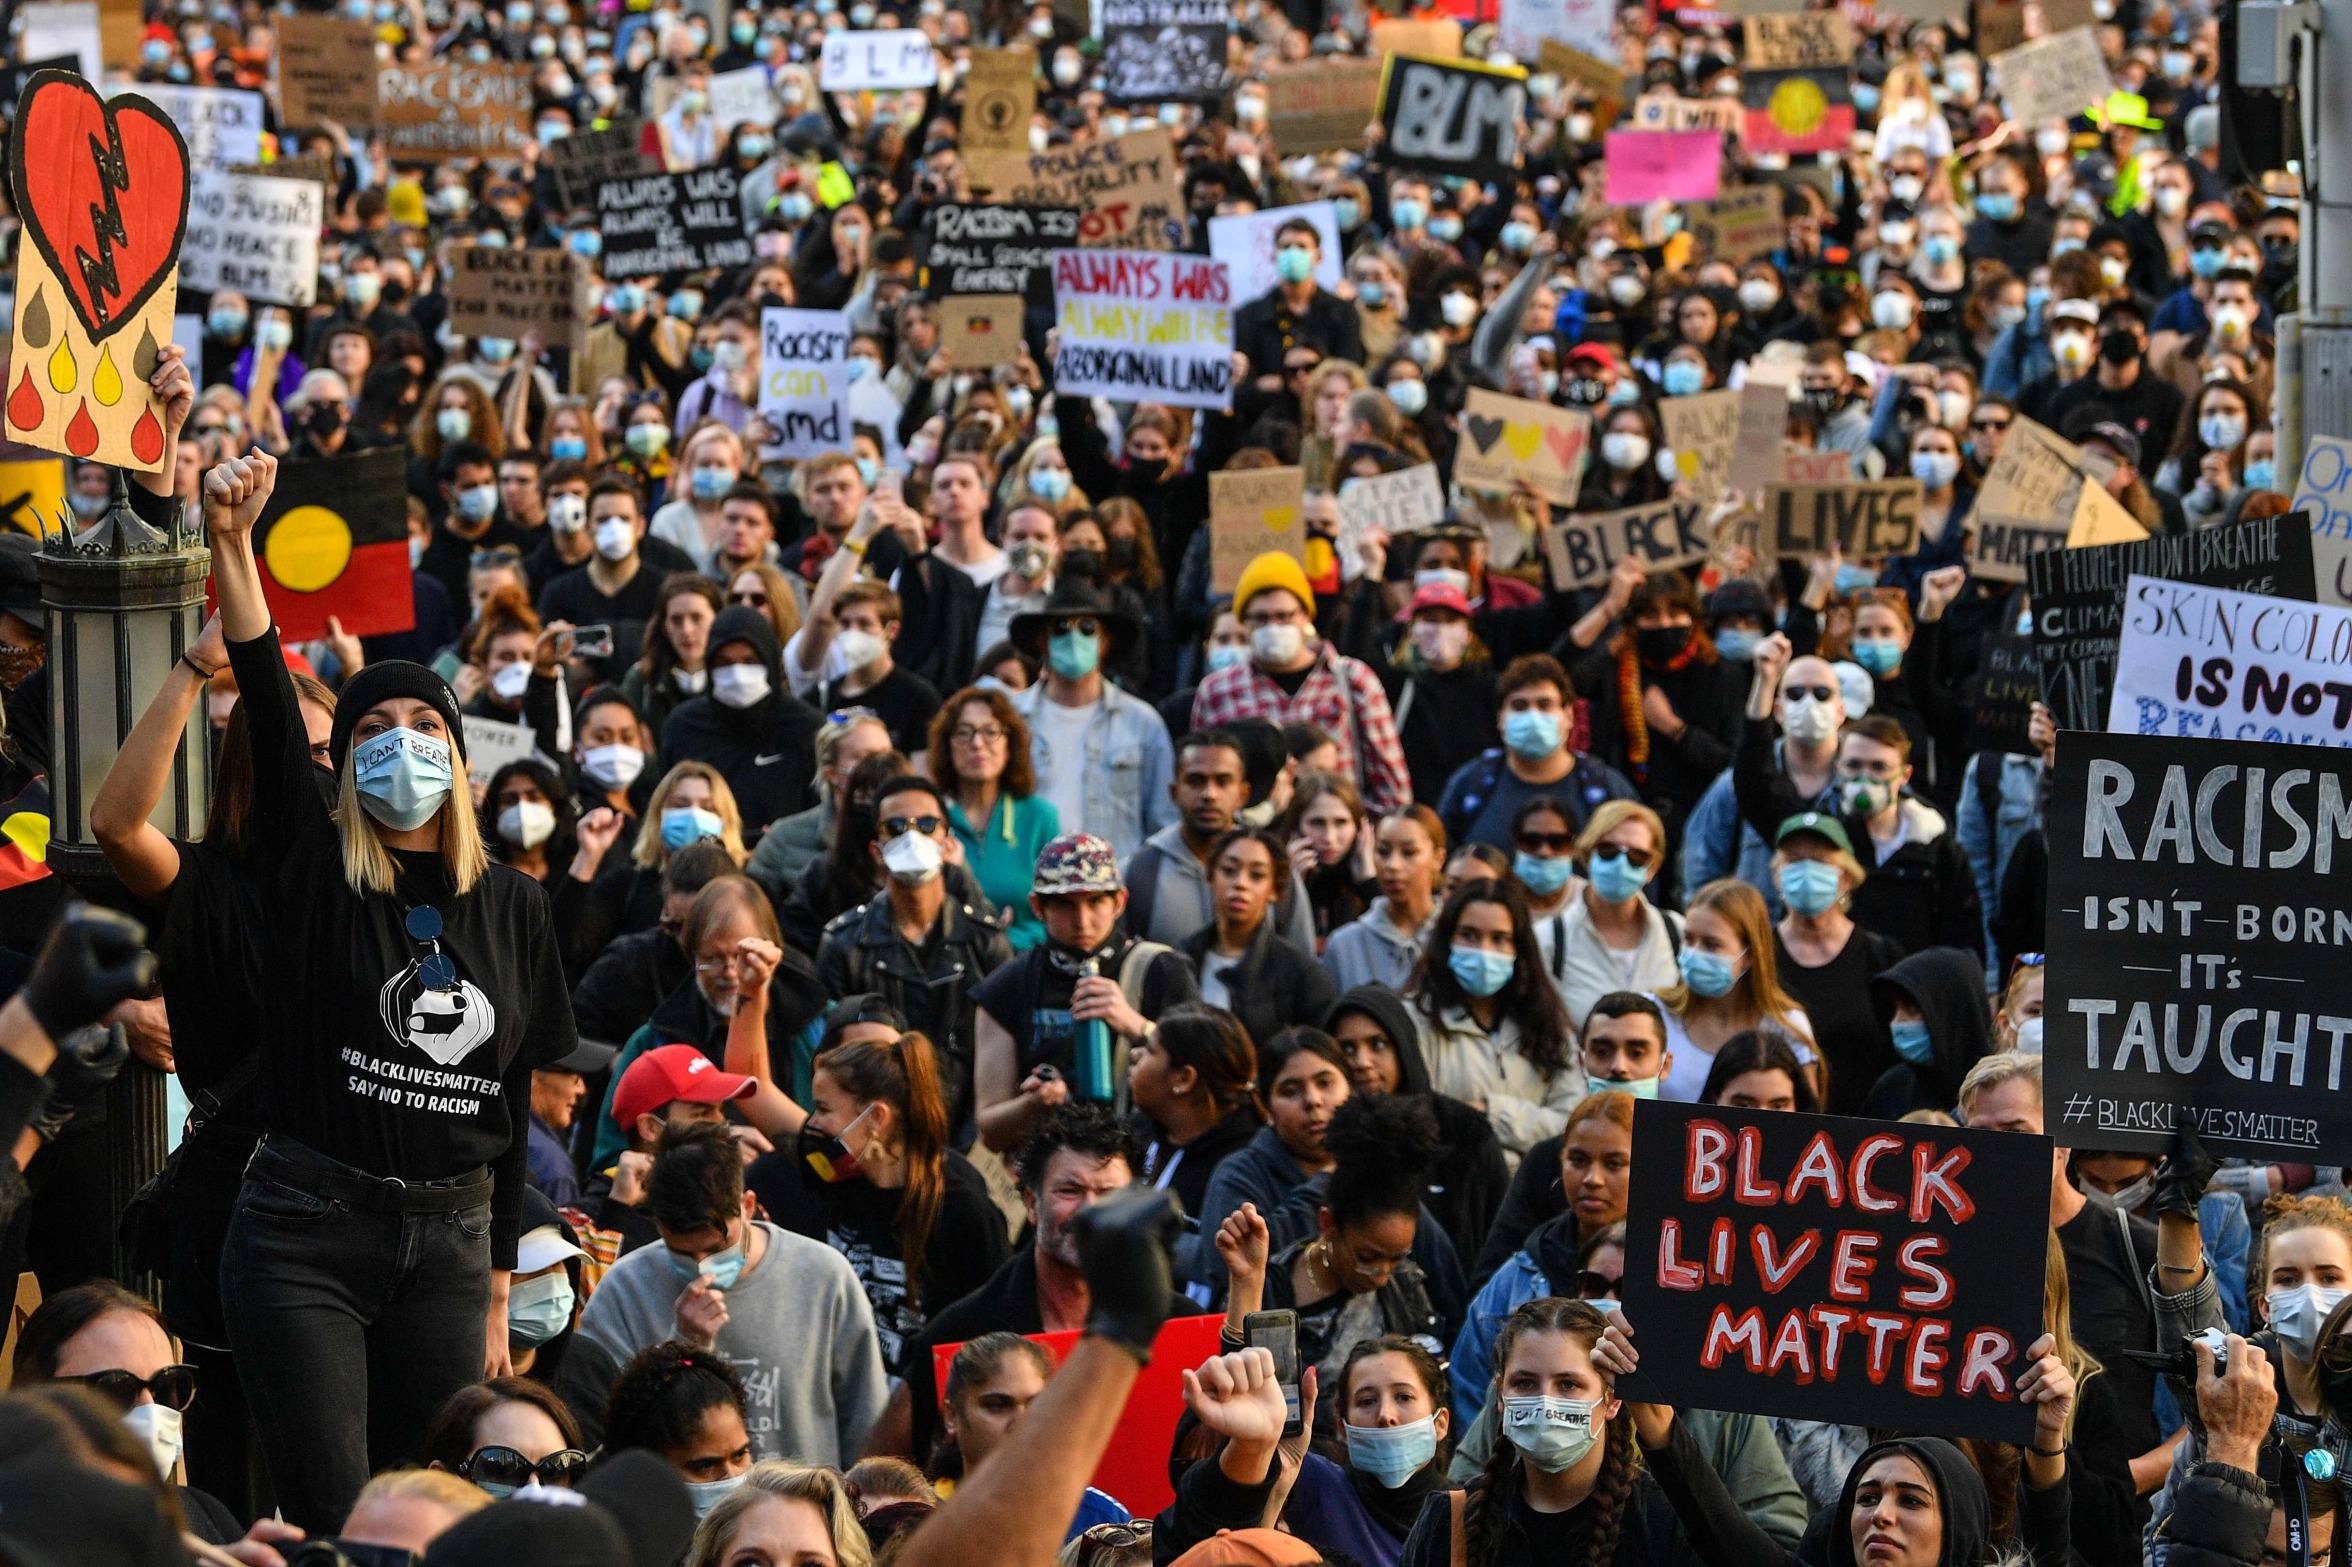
<point x="1647" y="166"/>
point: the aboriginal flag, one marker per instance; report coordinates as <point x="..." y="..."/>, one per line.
<point x="334" y="541"/>
<point x="1797" y="111"/>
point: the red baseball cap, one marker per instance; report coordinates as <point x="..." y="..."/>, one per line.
<point x="671" y="1073"/>
<point x="1436" y="595"/>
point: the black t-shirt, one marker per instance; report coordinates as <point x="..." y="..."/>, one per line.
<point x="1846" y="1027"/>
<point x="448" y="558"/>
<point x="1030" y="999"/>
<point x="2111" y="1314"/>
<point x="575" y="596"/>
<point x="1941" y="333"/>
<point x="904" y="699"/>
<point x="365" y="1064"/>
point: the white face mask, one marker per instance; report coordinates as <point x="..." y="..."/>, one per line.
<point x="1277" y="646"/>
<point x="739" y="685"/>
<point x="861" y="648"/>
<point x="526" y="824"/>
<point x="912" y="858"/>
<point x="615" y="538"/>
<point x="511" y="681"/>
<point x="613" y="766"/>
<point x="1807" y="721"/>
<point x="567" y="513"/>
<point x="2296" y="1316"/>
<point x="158" y="1426"/>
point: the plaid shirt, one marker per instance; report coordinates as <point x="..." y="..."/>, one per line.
<point x="1342" y="698"/>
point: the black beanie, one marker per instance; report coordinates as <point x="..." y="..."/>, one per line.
<point x="381" y="682"/>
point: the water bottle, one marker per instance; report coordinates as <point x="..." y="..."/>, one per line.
<point x="1093" y="1046"/>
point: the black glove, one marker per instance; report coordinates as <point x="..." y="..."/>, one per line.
<point x="87" y="1060"/>
<point x="2185" y="1173"/>
<point x="1123" y="1244"/>
<point x="92" y="962"/>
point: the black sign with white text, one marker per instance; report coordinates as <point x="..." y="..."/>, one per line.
<point x="688" y="222"/>
<point x="994" y="250"/>
<point x="1163" y="51"/>
<point x="1452" y="117"/>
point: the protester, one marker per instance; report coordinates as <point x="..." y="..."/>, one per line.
<point x="1381" y="945"/>
<point x="1375" y="1032"/>
<point x="1492" y="1028"/>
<point x="1618" y="938"/>
<point x="979" y="754"/>
<point x="1242" y="963"/>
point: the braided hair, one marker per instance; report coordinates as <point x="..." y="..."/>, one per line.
<point x="1620" y="1461"/>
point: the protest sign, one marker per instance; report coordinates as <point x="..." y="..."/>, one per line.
<point x="1727" y="438"/>
<point x="742" y="97"/>
<point x="2078" y="598"/>
<point x="2060" y="15"/>
<point x="885" y="58"/>
<point x="1872" y="1273"/>
<point x="507" y="293"/>
<point x="1739" y="225"/>
<point x="2323" y="491"/>
<point x="1128" y="189"/>
<point x="1664" y="111"/>
<point x="1322" y="107"/>
<point x="1257" y="511"/>
<point x="53" y="28"/>
<point x="1601" y="77"/>
<point x="1584" y="548"/>
<point x="1511" y="438"/>
<point x="1000" y="99"/>
<point x="1402" y="502"/>
<point x="449" y="109"/>
<point x="492" y="743"/>
<point x="2002" y="692"/>
<point x="1452" y="117"/>
<point x="1245" y="243"/>
<point x="326" y="69"/>
<point x="1647" y="166"/>
<point x="1802" y="40"/>
<point x="804" y="380"/>
<point x="2052" y="78"/>
<point x="1144" y="326"/>
<point x="1868" y="520"/>
<point x="1808" y="110"/>
<point x="1432" y="38"/>
<point x="254" y="233"/>
<point x="1163" y="51"/>
<point x="994" y="250"/>
<point x="2171" y="993"/>
<point x="671" y="223"/>
<point x="584" y="158"/>
<point x="333" y="541"/>
<point x="221" y="125"/>
<point x="32" y="495"/>
<point x="2210" y="663"/>
<point x="1815" y="465"/>
<point x="2000" y="26"/>
<point x="2035" y="475"/>
<point x="981" y="331"/>
<point x="1583" y="25"/>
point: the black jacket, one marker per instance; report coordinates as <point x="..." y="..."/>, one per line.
<point x="1946" y="984"/>
<point x="1263" y="329"/>
<point x="1274" y="986"/>
<point x="940" y="613"/>
<point x="624" y="986"/>
<point x="931" y="987"/>
<point x="768" y="751"/>
<point x="1648" y="1533"/>
<point x="1707" y="697"/>
<point x="1534" y="1195"/>
<point x="1467" y="1182"/>
<point x="1448" y="721"/>
<point x="2218" y="1519"/>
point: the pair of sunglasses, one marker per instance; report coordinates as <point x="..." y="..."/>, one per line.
<point x="174" y="1387"/>
<point x="896" y="826"/>
<point x="505" y="1466"/>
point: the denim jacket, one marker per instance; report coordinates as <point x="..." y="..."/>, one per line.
<point x="1717" y="842"/>
<point x="1129" y="765"/>
<point x="2017" y="810"/>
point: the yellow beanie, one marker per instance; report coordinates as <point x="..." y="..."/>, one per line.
<point x="404" y="203"/>
<point x="1273" y="570"/>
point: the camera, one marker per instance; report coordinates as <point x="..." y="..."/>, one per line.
<point x="2182" y="1362"/>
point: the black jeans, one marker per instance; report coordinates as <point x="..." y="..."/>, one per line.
<point x="351" y="1326"/>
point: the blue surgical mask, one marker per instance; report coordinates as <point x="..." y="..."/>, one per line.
<point x="1553" y="1434"/>
<point x="1445" y="227"/>
<point x="1615" y="878"/>
<point x="1518" y="238"/>
<point x="685" y="824"/>
<point x="1738" y="645"/>
<point x="227" y="325"/>
<point x="478" y="504"/>
<point x="1481" y="972"/>
<point x="1347" y="212"/>
<point x="1881" y="657"/>
<point x="868" y="471"/>
<point x="1392" y="1454"/>
<point x="2208" y="261"/>
<point x="1532" y="735"/>
<point x="1049" y="484"/>
<point x="586" y="242"/>
<point x="1707" y="974"/>
<point x="1371" y="294"/>
<point x="708" y="484"/>
<point x="539" y="1309"/>
<point x="1631" y="1087"/>
<point x="1225" y="655"/>
<point x="1406" y="213"/>
<point x="1683" y="379"/>
<point x="1072" y="656"/>
<point x="1810" y="887"/>
<point x="1540" y="874"/>
<point x="2000" y="206"/>
<point x="1911" y="1041"/>
<point x="795" y="206"/>
<point x="1853" y="579"/>
<point x="402" y="777"/>
<point x="1940" y="248"/>
<point x="1294" y="263"/>
<point x="1934" y="469"/>
<point x="722" y="1268"/>
<point x="455" y="424"/>
<point x="707" y="1494"/>
<point x="1625" y="392"/>
<point x="2262" y="474"/>
<point x="1865" y="98"/>
<point x="574" y="448"/>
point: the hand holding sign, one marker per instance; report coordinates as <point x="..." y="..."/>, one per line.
<point x="1615" y="1357"/>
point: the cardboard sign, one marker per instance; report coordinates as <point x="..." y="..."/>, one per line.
<point x="1406" y="501"/>
<point x="1506" y="439"/>
<point x="1245" y="243"/>
<point x="220" y="125"/>
<point x="2214" y="664"/>
<point x="32" y="496"/>
<point x="1663" y="111"/>
<point x="1872" y="1273"/>
<point x="2060" y="15"/>
<point x="1322" y="107"/>
<point x="993" y="250"/>
<point x="585" y="158"/>
<point x="1584" y="25"/>
<point x="897" y="57"/>
<point x="256" y="234"/>
<point x="804" y="380"/>
<point x="326" y="69"/>
<point x="2002" y="692"/>
<point x="1433" y="38"/>
<point x="1452" y="117"/>
<point x="671" y="223"/>
<point x="1163" y="51"/>
<point x="508" y="292"/>
<point x="2036" y="474"/>
<point x="742" y="97"/>
<point x="491" y="743"/>
<point x="1258" y="511"/>
<point x="1808" y="110"/>
<point x="1815" y="465"/>
<point x="1583" y="548"/>
<point x="2323" y="493"/>
<point x="981" y="330"/>
<point x="1727" y="439"/>
<point x="449" y="109"/>
<point x="87" y="336"/>
<point x="1739" y="225"/>
<point x="1647" y="166"/>
<point x="1129" y="189"/>
<point x="333" y="540"/>
<point x="1869" y="521"/>
<point x="2078" y="598"/>
<point x="1598" y="75"/>
<point x="1802" y="40"/>
<point x="1000" y="99"/>
<point x="2194" y="923"/>
<point x="1144" y="326"/>
<point x="2000" y="26"/>
<point x="2053" y="78"/>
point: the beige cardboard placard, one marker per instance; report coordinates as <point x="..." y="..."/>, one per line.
<point x="28" y="1301"/>
<point x="1815" y="465"/>
<point x="2036" y="475"/>
<point x="1869" y="520"/>
<point x="1727" y="439"/>
<point x="1584" y="549"/>
<point x="1402" y="502"/>
<point x="1322" y="107"/>
<point x="326" y="70"/>
<point x="2060" y="16"/>
<point x="1740" y="226"/>
<point x="449" y="109"/>
<point x="2000" y="26"/>
<point x="1507" y="439"/>
<point x="1255" y="512"/>
<point x="1803" y="41"/>
<point x="120" y="24"/>
<point x="1000" y="96"/>
<point x="507" y="293"/>
<point x="2053" y="78"/>
<point x="2003" y="543"/>
<point x="1605" y="78"/>
<point x="1437" y="39"/>
<point x="2099" y="518"/>
<point x="1129" y="189"/>
<point x="73" y="394"/>
<point x="1925" y="10"/>
<point x="980" y="330"/>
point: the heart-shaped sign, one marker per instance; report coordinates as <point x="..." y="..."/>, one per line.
<point x="1565" y="445"/>
<point x="103" y="191"/>
<point x="1484" y="431"/>
<point x="1525" y="440"/>
<point x="1279" y="519"/>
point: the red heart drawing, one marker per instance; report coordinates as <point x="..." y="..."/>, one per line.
<point x="1565" y="445"/>
<point x="103" y="191"/>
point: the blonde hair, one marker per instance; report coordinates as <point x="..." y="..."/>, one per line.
<point x="1847" y="865"/>
<point x="776" y="1479"/>
<point x="1994" y="1070"/>
<point x="2058" y="1322"/>
<point x="369" y="867"/>
<point x="1613" y="814"/>
<point x="649" y="851"/>
<point x="437" y="1486"/>
<point x="1742" y="908"/>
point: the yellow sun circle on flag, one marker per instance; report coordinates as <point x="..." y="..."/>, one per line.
<point x="308" y="548"/>
<point x="1798" y="106"/>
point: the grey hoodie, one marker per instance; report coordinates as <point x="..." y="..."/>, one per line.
<point x="1370" y="950"/>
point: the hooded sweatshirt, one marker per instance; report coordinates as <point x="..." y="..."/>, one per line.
<point x="1371" y="949"/>
<point x="1469" y="1176"/>
<point x="1946" y="984"/>
<point x="768" y="751"/>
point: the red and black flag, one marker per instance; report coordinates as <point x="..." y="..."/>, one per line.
<point x="334" y="541"/>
